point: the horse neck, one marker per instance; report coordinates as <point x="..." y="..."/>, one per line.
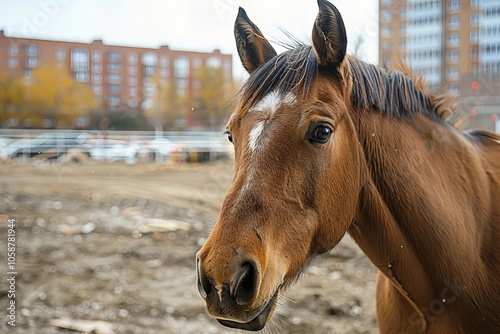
<point x="415" y="221"/>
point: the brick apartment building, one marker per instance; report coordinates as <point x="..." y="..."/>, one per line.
<point x="120" y="77"/>
<point x="453" y="43"/>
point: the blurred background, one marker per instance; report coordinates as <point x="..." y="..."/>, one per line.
<point x="113" y="163"/>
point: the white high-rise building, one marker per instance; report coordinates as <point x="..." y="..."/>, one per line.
<point x="454" y="44"/>
<point x="489" y="37"/>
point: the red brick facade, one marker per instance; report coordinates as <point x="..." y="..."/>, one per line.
<point x="119" y="76"/>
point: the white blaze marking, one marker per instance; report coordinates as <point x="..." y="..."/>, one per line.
<point x="269" y="104"/>
<point x="273" y="101"/>
<point x="254" y="135"/>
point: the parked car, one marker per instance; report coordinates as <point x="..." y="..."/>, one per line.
<point x="114" y="150"/>
<point x="155" y="148"/>
<point x="4" y="150"/>
<point x="207" y="149"/>
<point x="48" y="145"/>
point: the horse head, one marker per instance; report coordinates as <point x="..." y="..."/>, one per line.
<point x="297" y="172"/>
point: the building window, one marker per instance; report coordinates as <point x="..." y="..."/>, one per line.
<point x="31" y="50"/>
<point x="452" y="72"/>
<point x="149" y="69"/>
<point x="114" y="57"/>
<point x="196" y="62"/>
<point x="214" y="62"/>
<point x="454" y="22"/>
<point x="132" y="58"/>
<point x="133" y="91"/>
<point x="13" y="50"/>
<point x="81" y="76"/>
<point x="96" y="67"/>
<point x="453" y="88"/>
<point x="491" y="31"/>
<point x="31" y="62"/>
<point x="149" y="58"/>
<point x="164" y="61"/>
<point x="386" y="31"/>
<point x="132" y="69"/>
<point x="96" y="78"/>
<point x="453" y="39"/>
<point x="80" y="60"/>
<point x="114" y="78"/>
<point x="492" y="48"/>
<point x="453" y="56"/>
<point x="453" y="5"/>
<point x="474" y="36"/>
<point x="181" y="67"/>
<point x="386" y="2"/>
<point x="386" y="15"/>
<point x="492" y="12"/>
<point x="97" y="89"/>
<point x="132" y="81"/>
<point x="96" y="56"/>
<point x="12" y="62"/>
<point x="149" y="91"/>
<point x="60" y="54"/>
<point x="182" y="84"/>
<point x="474" y="19"/>
<point x="114" y="88"/>
<point x="114" y="100"/>
<point x="474" y="3"/>
<point x="114" y="67"/>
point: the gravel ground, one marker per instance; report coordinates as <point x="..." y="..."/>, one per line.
<point x="109" y="248"/>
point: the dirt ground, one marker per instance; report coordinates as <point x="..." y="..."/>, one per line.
<point x="109" y="248"/>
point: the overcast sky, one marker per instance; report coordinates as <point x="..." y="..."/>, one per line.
<point x="199" y="25"/>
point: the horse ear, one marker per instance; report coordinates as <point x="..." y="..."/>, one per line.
<point x="253" y="48"/>
<point x="329" y="36"/>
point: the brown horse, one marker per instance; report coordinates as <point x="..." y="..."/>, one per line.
<point x="326" y="144"/>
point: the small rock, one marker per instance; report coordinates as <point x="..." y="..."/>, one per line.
<point x="87" y="228"/>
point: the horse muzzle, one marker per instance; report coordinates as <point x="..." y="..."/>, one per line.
<point x="257" y="323"/>
<point x="234" y="301"/>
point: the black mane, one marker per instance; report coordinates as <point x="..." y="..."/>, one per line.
<point x="393" y="93"/>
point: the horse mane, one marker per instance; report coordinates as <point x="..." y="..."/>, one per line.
<point x="445" y="103"/>
<point x="397" y="93"/>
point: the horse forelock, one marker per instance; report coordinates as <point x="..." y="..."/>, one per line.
<point x="290" y="72"/>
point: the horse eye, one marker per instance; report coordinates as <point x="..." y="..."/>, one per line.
<point x="229" y="136"/>
<point x="320" y="134"/>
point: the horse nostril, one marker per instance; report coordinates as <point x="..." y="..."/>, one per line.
<point x="203" y="284"/>
<point x="205" y="287"/>
<point x="244" y="285"/>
